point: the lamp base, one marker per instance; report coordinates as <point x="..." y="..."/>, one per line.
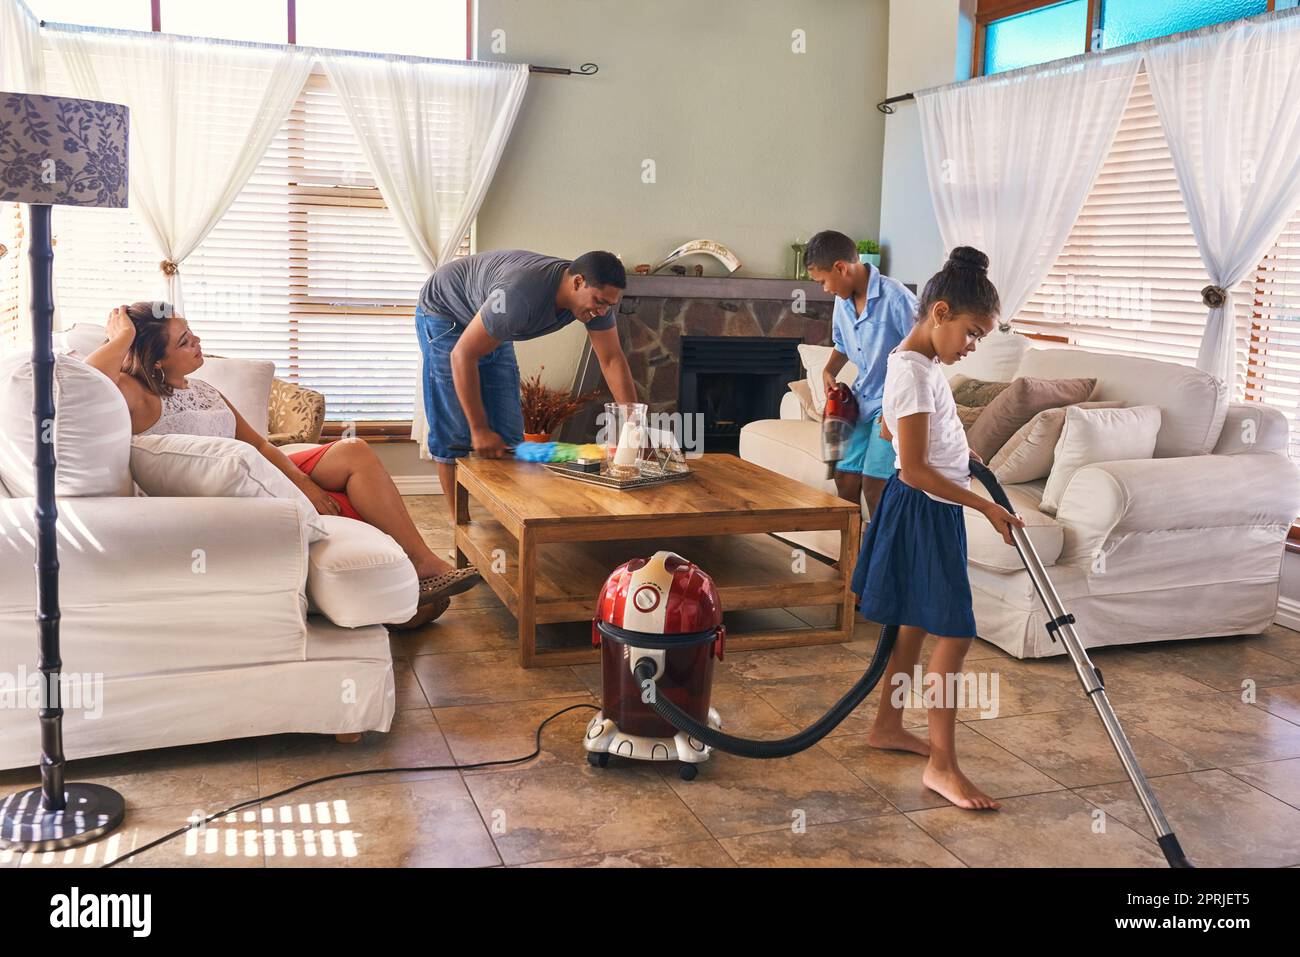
<point x="92" y="811"/>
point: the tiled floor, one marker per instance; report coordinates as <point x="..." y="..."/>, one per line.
<point x="1225" y="766"/>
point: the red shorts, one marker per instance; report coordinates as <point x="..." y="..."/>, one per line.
<point x="307" y="460"/>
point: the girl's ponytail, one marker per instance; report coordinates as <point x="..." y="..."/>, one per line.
<point x="963" y="283"/>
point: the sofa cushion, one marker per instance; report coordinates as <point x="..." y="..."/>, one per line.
<point x="1193" y="404"/>
<point x="995" y="359"/>
<point x="976" y="393"/>
<point x="246" y="384"/>
<point x="1099" y="435"/>
<point x="80" y="339"/>
<point x="214" y="467"/>
<point x="360" y="576"/>
<point x="985" y="547"/>
<point x="92" y="430"/>
<point x="803" y="392"/>
<point x="814" y="359"/>
<point x="968" y="415"/>
<point x="1017" y="404"/>
<point x="1027" y="455"/>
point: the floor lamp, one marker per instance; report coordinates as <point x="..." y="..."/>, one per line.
<point x="61" y="152"/>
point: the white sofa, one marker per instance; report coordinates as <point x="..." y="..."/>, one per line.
<point x="1187" y="544"/>
<point x="196" y="619"/>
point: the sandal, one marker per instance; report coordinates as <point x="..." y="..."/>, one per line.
<point x="424" y="613"/>
<point x="449" y="583"/>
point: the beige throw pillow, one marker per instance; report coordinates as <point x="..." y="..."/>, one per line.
<point x="814" y="359"/>
<point x="803" y="392"/>
<point x="1027" y="455"/>
<point x="1017" y="404"/>
<point x="1099" y="435"/>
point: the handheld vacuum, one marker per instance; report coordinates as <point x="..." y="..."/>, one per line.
<point x="659" y="627"/>
<point x="838" y="420"/>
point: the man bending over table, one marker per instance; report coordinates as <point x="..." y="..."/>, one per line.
<point x="470" y="314"/>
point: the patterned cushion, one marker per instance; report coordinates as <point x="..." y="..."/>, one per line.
<point x="296" y="414"/>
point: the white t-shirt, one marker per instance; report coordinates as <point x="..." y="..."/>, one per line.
<point x="914" y="384"/>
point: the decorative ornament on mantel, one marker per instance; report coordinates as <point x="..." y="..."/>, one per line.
<point x="705" y="247"/>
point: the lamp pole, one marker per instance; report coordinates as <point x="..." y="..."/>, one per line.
<point x="47" y="513"/>
<point x="57" y="814"/>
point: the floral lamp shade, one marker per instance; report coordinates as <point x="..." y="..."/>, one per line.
<point x="62" y="151"/>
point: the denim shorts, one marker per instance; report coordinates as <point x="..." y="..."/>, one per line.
<point x="868" y="453"/>
<point x="498" y="376"/>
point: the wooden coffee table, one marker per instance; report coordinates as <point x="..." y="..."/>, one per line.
<point x="548" y="543"/>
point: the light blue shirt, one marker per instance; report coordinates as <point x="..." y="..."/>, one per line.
<point x="867" y="339"/>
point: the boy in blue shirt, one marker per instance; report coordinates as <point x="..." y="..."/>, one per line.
<point x="873" y="314"/>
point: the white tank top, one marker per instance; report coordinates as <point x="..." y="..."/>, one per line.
<point x="197" y="410"/>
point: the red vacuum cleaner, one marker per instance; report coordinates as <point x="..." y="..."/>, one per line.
<point x="838" y="421"/>
<point x="663" y="613"/>
<point x="659" y="627"/>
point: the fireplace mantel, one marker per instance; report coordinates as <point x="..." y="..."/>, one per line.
<point x="722" y="287"/>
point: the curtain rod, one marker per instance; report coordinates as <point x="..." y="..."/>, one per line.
<point x="586" y="69"/>
<point x="885" y="106"/>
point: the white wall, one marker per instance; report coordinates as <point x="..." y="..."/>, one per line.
<point x="754" y="145"/>
<point x="929" y="45"/>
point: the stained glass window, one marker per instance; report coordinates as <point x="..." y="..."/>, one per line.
<point x="1048" y="33"/>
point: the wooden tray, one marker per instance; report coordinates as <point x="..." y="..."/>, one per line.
<point x="650" y="475"/>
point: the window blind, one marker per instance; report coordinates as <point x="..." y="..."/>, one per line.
<point x="1129" y="278"/>
<point x="307" y="268"/>
<point x="1269" y="328"/>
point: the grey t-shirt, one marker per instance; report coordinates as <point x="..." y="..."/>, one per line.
<point x="514" y="289"/>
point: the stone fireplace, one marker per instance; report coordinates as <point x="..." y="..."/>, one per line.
<point x="731" y="381"/>
<point x="658" y="312"/>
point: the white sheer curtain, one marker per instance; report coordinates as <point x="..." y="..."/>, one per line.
<point x="202" y="115"/>
<point x="22" y="70"/>
<point x="1011" y="159"/>
<point x="432" y="133"/>
<point x="1229" y="103"/>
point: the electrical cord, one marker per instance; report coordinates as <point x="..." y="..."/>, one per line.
<point x="348" y="774"/>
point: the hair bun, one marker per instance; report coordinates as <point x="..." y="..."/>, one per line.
<point x="967" y="257"/>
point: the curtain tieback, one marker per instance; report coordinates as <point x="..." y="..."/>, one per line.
<point x="168" y="267"/>
<point x="1214" y="296"/>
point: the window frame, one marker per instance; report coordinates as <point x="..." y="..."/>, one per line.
<point x="375" y="431"/>
<point x="987" y="11"/>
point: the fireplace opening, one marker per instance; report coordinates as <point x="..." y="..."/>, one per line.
<point x="734" y="380"/>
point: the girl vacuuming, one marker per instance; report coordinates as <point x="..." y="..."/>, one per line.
<point x="911" y="571"/>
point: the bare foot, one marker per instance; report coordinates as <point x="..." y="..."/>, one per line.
<point x="958" y="789"/>
<point x="898" y="740"/>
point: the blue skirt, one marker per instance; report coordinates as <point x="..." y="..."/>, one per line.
<point x="912" y="567"/>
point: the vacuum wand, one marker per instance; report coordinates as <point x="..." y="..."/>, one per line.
<point x="1061" y="627"/>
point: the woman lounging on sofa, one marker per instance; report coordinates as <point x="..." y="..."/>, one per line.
<point x="151" y="352"/>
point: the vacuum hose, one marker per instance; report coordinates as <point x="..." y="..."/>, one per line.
<point x="781" y="747"/>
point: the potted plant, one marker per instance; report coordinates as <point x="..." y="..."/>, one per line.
<point x="545" y="409"/>
<point x="869" y="252"/>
